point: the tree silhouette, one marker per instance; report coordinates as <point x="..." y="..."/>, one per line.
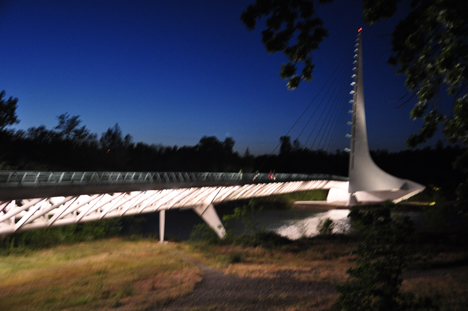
<point x="429" y="47"/>
<point x="68" y="128"/>
<point x="112" y="138"/>
<point x="293" y="28"/>
<point x="286" y="146"/>
<point x="7" y="111"/>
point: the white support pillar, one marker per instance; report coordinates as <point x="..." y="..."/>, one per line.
<point x="162" y="223"/>
<point x="208" y="213"/>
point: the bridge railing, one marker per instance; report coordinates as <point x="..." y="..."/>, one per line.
<point x="32" y="178"/>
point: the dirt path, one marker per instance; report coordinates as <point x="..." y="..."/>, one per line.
<point x="218" y="291"/>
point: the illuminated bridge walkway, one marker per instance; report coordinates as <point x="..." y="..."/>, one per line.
<point x="34" y="200"/>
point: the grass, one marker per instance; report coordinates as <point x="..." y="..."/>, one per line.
<point x="314" y="260"/>
<point x="442" y="275"/>
<point x="96" y="275"/>
<point x="117" y="274"/>
<point x="448" y="289"/>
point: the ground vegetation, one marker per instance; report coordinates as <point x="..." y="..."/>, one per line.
<point x="300" y="275"/>
<point x="250" y="270"/>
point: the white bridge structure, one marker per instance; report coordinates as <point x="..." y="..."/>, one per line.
<point x="34" y="200"/>
<point x="367" y="182"/>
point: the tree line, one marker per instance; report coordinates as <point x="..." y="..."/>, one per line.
<point x="70" y="146"/>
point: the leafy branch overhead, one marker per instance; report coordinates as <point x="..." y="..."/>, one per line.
<point x="291" y="28"/>
<point x="430" y="47"/>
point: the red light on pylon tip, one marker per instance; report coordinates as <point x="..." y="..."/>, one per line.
<point x="360" y="29"/>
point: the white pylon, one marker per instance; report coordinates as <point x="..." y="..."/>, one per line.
<point x="368" y="182"/>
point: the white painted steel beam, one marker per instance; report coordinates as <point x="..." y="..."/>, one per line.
<point x="30" y="214"/>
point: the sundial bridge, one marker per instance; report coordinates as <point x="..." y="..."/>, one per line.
<point x="34" y="200"/>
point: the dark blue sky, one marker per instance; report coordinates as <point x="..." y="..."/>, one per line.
<point x="170" y="72"/>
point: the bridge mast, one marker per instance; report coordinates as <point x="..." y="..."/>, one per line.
<point x="367" y="182"/>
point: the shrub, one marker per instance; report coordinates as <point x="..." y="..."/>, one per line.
<point x="247" y="214"/>
<point x="204" y="233"/>
<point x="375" y="281"/>
<point x="252" y="236"/>
<point x="37" y="239"/>
<point x="326" y="226"/>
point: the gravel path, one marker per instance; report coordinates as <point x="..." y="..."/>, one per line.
<point x="218" y="291"/>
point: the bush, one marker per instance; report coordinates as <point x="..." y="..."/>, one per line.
<point x="204" y="233"/>
<point x="376" y="280"/>
<point x="37" y="239"/>
<point x="247" y="214"/>
<point x="326" y="226"/>
<point x="252" y="236"/>
<point x="266" y="239"/>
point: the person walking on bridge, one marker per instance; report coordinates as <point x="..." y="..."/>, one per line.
<point x="256" y="175"/>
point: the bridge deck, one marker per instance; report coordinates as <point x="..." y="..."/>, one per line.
<point x="33" y="200"/>
<point x="15" y="185"/>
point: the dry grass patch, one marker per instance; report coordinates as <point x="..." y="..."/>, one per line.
<point x="310" y="271"/>
<point x="448" y="287"/>
<point x="96" y="275"/>
<point x="263" y="271"/>
<point x="313" y="261"/>
<point x="321" y="303"/>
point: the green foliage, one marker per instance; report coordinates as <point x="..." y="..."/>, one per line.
<point x="434" y="216"/>
<point x="375" y="10"/>
<point x="292" y="28"/>
<point x="312" y="195"/>
<point x="456" y="128"/>
<point x="462" y="196"/>
<point x="247" y="214"/>
<point x="235" y="258"/>
<point x="286" y="145"/>
<point x="429" y="48"/>
<point x="37" y="239"/>
<point x="68" y="129"/>
<point x="428" y="129"/>
<point x="7" y="111"/>
<point x="265" y="239"/>
<point x="204" y="233"/>
<point x="326" y="226"/>
<point x="252" y="236"/>
<point x="375" y="281"/>
<point x="133" y="225"/>
<point x="286" y="200"/>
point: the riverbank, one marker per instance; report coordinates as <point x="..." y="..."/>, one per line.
<point x="326" y="206"/>
<point x="118" y="274"/>
<point x="319" y="205"/>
